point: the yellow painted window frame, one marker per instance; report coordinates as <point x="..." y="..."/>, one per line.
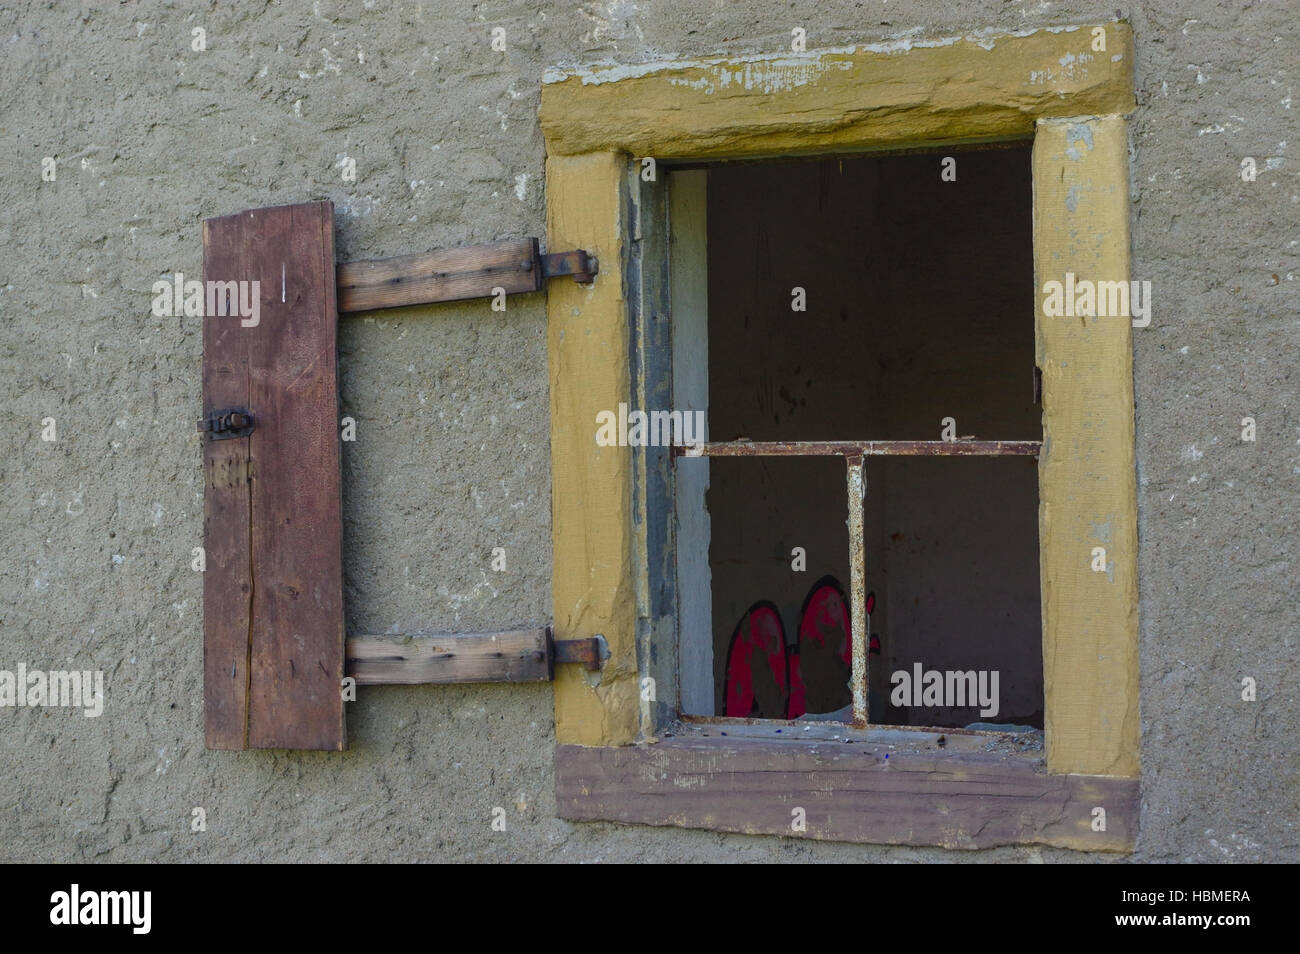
<point x="1049" y="84"/>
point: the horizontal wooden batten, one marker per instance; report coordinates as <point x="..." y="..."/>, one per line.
<point x="523" y="655"/>
<point x="868" y="793"/>
<point x="449" y="275"/>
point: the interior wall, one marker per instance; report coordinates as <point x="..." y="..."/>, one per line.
<point x="919" y="298"/>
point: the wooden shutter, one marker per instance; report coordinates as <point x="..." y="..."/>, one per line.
<point x="273" y="586"/>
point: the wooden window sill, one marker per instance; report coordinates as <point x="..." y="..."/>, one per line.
<point x="896" y="787"/>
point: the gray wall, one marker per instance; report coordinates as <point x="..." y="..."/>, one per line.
<point x="451" y="456"/>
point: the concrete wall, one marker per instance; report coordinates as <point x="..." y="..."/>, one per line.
<point x="451" y="457"/>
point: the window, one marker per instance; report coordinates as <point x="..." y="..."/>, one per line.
<point x="621" y="754"/>
<point x="855" y="304"/>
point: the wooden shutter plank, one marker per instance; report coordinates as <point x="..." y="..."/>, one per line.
<point x="292" y="516"/>
<point x="227" y="579"/>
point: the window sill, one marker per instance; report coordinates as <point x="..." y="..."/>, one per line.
<point x="893" y="787"/>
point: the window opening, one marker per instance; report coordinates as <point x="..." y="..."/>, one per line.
<point x="861" y="333"/>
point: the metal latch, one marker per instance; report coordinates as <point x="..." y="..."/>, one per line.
<point x="225" y="423"/>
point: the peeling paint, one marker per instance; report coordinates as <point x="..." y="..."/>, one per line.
<point x="1078" y="132"/>
<point x="766" y="71"/>
<point x="613" y="72"/>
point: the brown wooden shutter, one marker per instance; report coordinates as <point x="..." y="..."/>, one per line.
<point x="274" y="656"/>
<point x="273" y="587"/>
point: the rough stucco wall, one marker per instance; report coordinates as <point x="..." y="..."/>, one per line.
<point x="452" y="458"/>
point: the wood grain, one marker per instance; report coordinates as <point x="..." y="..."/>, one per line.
<point x="448" y="275"/>
<point x="516" y="656"/>
<point x="289" y="653"/>
<point x="227" y="579"/>
<point x="849" y="793"/>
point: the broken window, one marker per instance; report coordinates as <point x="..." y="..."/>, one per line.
<point x="858" y="328"/>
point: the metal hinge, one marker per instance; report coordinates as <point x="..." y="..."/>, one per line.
<point x="225" y="423"/>
<point x="589" y="651"/>
<point x="578" y="263"/>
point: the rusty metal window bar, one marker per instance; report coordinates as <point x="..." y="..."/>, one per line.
<point x="855" y="454"/>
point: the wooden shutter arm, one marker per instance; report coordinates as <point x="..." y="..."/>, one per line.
<point x="481" y="271"/>
<point x="527" y="655"/>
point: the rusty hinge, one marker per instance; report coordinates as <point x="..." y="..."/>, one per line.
<point x="225" y="423"/>
<point x="578" y="263"/>
<point x="589" y="651"/>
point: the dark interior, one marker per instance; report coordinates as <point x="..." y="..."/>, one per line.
<point x="920" y="300"/>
